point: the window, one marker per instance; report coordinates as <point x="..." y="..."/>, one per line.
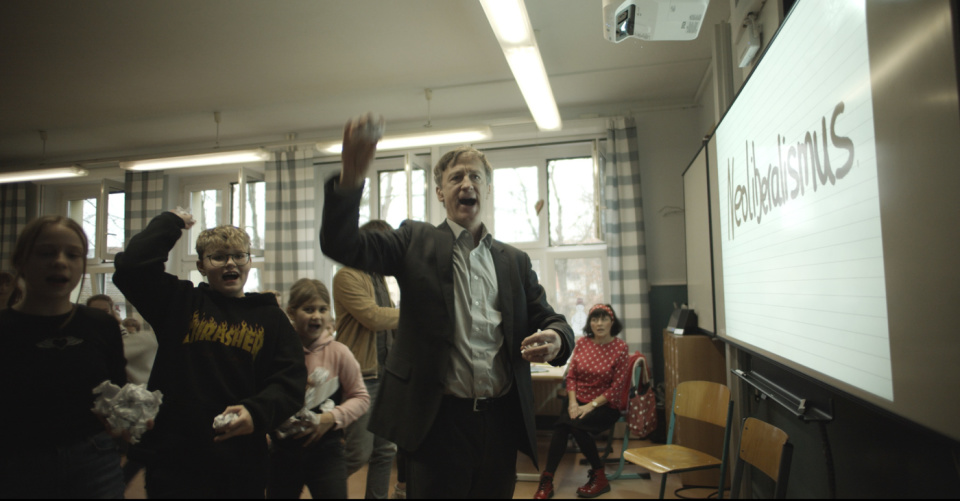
<point x="402" y="195"/>
<point x="516" y="193"/>
<point x="100" y="211"/>
<point x="255" y="220"/>
<point x="580" y="278"/>
<point x="207" y="208"/>
<point x="84" y="211"/>
<point x="574" y="213"/>
<point x="547" y="200"/>
<point x="101" y="283"/>
<point x="396" y="189"/>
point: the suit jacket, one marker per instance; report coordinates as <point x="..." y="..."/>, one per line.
<point x="420" y="256"/>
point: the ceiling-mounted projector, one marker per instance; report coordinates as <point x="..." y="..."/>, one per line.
<point x="653" y="19"/>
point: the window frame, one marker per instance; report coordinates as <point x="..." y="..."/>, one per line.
<point x="541" y="249"/>
<point x="101" y="193"/>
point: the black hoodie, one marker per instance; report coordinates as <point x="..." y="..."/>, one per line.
<point x="214" y="351"/>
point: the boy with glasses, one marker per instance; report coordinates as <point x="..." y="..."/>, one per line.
<point x="222" y="354"/>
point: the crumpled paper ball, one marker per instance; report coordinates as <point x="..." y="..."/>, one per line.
<point x="298" y="423"/>
<point x="320" y="387"/>
<point x="223" y="420"/>
<point x="128" y="408"/>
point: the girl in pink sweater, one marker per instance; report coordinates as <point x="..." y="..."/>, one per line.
<point x="314" y="457"/>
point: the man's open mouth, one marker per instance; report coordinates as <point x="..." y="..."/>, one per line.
<point x="468" y="201"/>
<point x="231" y="275"/>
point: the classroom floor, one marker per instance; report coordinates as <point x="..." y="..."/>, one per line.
<point x="570" y="475"/>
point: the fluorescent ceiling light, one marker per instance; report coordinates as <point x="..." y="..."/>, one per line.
<point x="511" y="25"/>
<point x="42" y="174"/>
<point x="199" y="160"/>
<point x="419" y="139"/>
<point x="527" y="68"/>
<point x="509" y="21"/>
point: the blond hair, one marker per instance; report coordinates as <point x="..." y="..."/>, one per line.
<point x="457" y="155"/>
<point x="222" y="236"/>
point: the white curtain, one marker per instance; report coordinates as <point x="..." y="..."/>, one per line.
<point x="626" y="249"/>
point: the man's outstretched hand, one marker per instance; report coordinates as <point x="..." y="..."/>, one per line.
<point x="360" y="137"/>
<point x="542" y="346"/>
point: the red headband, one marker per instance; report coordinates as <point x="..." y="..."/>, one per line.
<point x="604" y="308"/>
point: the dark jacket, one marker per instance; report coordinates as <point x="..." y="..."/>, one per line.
<point x="420" y="256"/>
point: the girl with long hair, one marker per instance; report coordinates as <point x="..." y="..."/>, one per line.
<point x="52" y="354"/>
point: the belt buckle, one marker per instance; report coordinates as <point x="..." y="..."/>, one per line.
<point x="479" y="404"/>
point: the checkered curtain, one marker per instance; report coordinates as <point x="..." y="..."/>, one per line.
<point x="13" y="217"/>
<point x="291" y="221"/>
<point x="144" y="195"/>
<point x="626" y="249"/>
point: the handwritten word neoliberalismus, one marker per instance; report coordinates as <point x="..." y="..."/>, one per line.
<point x="804" y="170"/>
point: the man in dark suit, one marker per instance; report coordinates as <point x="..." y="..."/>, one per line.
<point x="456" y="394"/>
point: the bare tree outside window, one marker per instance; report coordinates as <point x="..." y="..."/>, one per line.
<point x="515" y="195"/>
<point x="254" y="221"/>
<point x="84" y="211"/>
<point x="572" y="208"/>
<point x="393" y="196"/>
<point x="206" y="206"/>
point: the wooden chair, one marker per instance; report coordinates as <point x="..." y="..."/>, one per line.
<point x="701" y="400"/>
<point x="766" y="448"/>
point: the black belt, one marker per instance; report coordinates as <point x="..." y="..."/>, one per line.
<point x="473" y="404"/>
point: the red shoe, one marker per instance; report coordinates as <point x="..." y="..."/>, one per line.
<point x="546" y="486"/>
<point x="596" y="486"/>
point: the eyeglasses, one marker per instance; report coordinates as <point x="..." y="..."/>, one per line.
<point x="221" y="259"/>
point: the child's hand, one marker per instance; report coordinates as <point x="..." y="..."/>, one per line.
<point x="188" y="220"/>
<point x="242" y="425"/>
<point x="316" y="432"/>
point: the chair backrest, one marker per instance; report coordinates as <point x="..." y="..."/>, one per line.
<point x="762" y="444"/>
<point x="767" y="448"/>
<point x="704" y="401"/>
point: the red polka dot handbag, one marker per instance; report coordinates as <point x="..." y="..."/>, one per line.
<point x="642" y="407"/>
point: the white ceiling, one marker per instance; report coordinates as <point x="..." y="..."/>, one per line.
<point x="112" y="78"/>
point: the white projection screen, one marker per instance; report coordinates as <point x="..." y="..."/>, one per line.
<point x="835" y="212"/>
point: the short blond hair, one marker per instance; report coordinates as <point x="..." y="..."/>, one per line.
<point x="222" y="236"/>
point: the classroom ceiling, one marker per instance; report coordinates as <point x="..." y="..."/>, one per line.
<point x="113" y="78"/>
